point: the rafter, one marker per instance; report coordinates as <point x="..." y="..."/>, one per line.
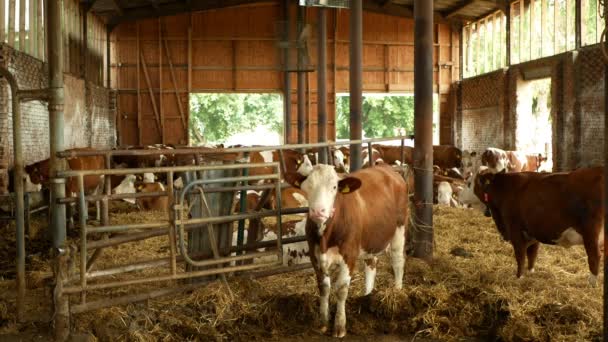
<point x="458" y="9"/>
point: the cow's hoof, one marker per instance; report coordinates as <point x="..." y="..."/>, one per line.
<point x="339" y="331"/>
<point x="592" y="280"/>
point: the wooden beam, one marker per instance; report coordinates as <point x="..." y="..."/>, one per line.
<point x="555" y="26"/>
<point x="532" y="15"/>
<point x="22" y="43"/>
<point x="31" y="32"/>
<point x="234" y="71"/>
<point x="456" y="10"/>
<point x="11" y="23"/>
<point x="139" y="125"/>
<point x="173" y="80"/>
<point x="190" y="56"/>
<point x="508" y="36"/>
<point x="493" y="41"/>
<point x="521" y="30"/>
<point x="160" y="81"/>
<point x="41" y="31"/>
<point x="150" y="92"/>
<point x="116" y="8"/>
<point x="2" y="22"/>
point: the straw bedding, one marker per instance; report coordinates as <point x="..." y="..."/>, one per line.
<point x="468" y="292"/>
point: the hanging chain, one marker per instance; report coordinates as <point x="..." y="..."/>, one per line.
<point x="602" y="11"/>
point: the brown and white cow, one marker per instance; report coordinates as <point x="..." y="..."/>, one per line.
<point x="392" y="154"/>
<point x="447" y="156"/>
<point x="153" y="203"/>
<point x="530" y="208"/>
<point x="39" y="173"/>
<point x="365" y="159"/>
<point x="352" y="217"/>
<point x="495" y="159"/>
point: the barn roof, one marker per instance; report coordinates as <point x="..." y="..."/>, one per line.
<point x="115" y="12"/>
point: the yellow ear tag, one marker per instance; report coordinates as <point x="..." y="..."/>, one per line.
<point x="487" y="182"/>
<point x="296" y="183"/>
<point x="299" y="162"/>
<point x="140" y="187"/>
<point x="345" y="189"/>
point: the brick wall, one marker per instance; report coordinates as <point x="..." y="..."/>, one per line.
<point x="482" y="111"/>
<point x="486" y="114"/>
<point x="88" y="113"/>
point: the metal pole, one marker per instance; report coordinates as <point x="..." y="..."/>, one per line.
<point x="605" y="9"/>
<point x="301" y="81"/>
<point x="321" y="83"/>
<point x="55" y="50"/>
<point x="423" y="128"/>
<point x="356" y="81"/>
<point x="57" y="220"/>
<point x="19" y="189"/>
<point x="286" y="75"/>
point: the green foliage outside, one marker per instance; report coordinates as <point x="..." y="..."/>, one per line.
<point x="215" y="117"/>
<point x="385" y="116"/>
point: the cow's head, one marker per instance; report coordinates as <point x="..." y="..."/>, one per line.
<point x="38" y="172"/>
<point x="322" y="186"/>
<point x="340" y="161"/>
<point x="483" y="183"/>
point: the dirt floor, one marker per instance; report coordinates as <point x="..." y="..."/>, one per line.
<point x="468" y="293"/>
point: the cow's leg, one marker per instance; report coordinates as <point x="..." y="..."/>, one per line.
<point x="532" y="252"/>
<point x="397" y="255"/>
<point x="592" y="248"/>
<point x="520" y="256"/>
<point x="370" y="274"/>
<point x="324" y="284"/>
<point x="342" y="285"/>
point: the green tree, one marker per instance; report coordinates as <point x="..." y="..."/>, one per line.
<point x="214" y="117"/>
<point x="382" y="116"/>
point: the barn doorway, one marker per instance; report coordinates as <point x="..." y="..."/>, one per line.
<point x="534" y="123"/>
<point x="384" y="115"/>
<point x="236" y="118"/>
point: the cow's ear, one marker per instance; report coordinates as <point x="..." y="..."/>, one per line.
<point x="295" y="179"/>
<point x="348" y="185"/>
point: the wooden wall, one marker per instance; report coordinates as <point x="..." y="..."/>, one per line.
<point x="235" y="50"/>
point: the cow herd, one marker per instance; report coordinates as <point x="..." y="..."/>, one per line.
<point x="358" y="215"/>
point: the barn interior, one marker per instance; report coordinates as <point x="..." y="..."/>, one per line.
<point x="108" y="74"/>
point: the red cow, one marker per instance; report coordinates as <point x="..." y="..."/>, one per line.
<point x="530" y="208"/>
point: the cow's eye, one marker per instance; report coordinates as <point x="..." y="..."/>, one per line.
<point x="335" y="187"/>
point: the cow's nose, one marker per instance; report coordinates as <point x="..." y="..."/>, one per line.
<point x="318" y="211"/>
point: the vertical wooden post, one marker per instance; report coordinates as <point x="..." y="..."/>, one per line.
<point x="522" y="10"/>
<point x="532" y="28"/>
<point x="2" y="22"/>
<point x="11" y="23"/>
<point x="139" y="125"/>
<point x="22" y="43"/>
<point x="41" y="30"/>
<point x="31" y="31"/>
<point x="555" y="26"/>
<point x="508" y="35"/>
<point x="234" y="71"/>
<point x="160" y="81"/>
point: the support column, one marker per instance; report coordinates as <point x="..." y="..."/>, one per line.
<point x="321" y="83"/>
<point x="57" y="219"/>
<point x="301" y="81"/>
<point x="286" y="75"/>
<point x="423" y="129"/>
<point x="356" y="81"/>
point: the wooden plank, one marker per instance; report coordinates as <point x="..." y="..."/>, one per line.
<point x="139" y="124"/>
<point x="484" y="24"/>
<point x="22" y="43"/>
<point x="177" y="98"/>
<point x="234" y="72"/>
<point x="386" y="66"/>
<point x="41" y="30"/>
<point x="33" y="29"/>
<point x="2" y="21"/>
<point x="11" y="23"/>
<point x="555" y="27"/>
<point x="190" y="58"/>
<point x="492" y="21"/>
<point x="477" y="49"/>
<point x="150" y="92"/>
<point x="160" y="81"/>
<point x="521" y="30"/>
<point x="532" y="28"/>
